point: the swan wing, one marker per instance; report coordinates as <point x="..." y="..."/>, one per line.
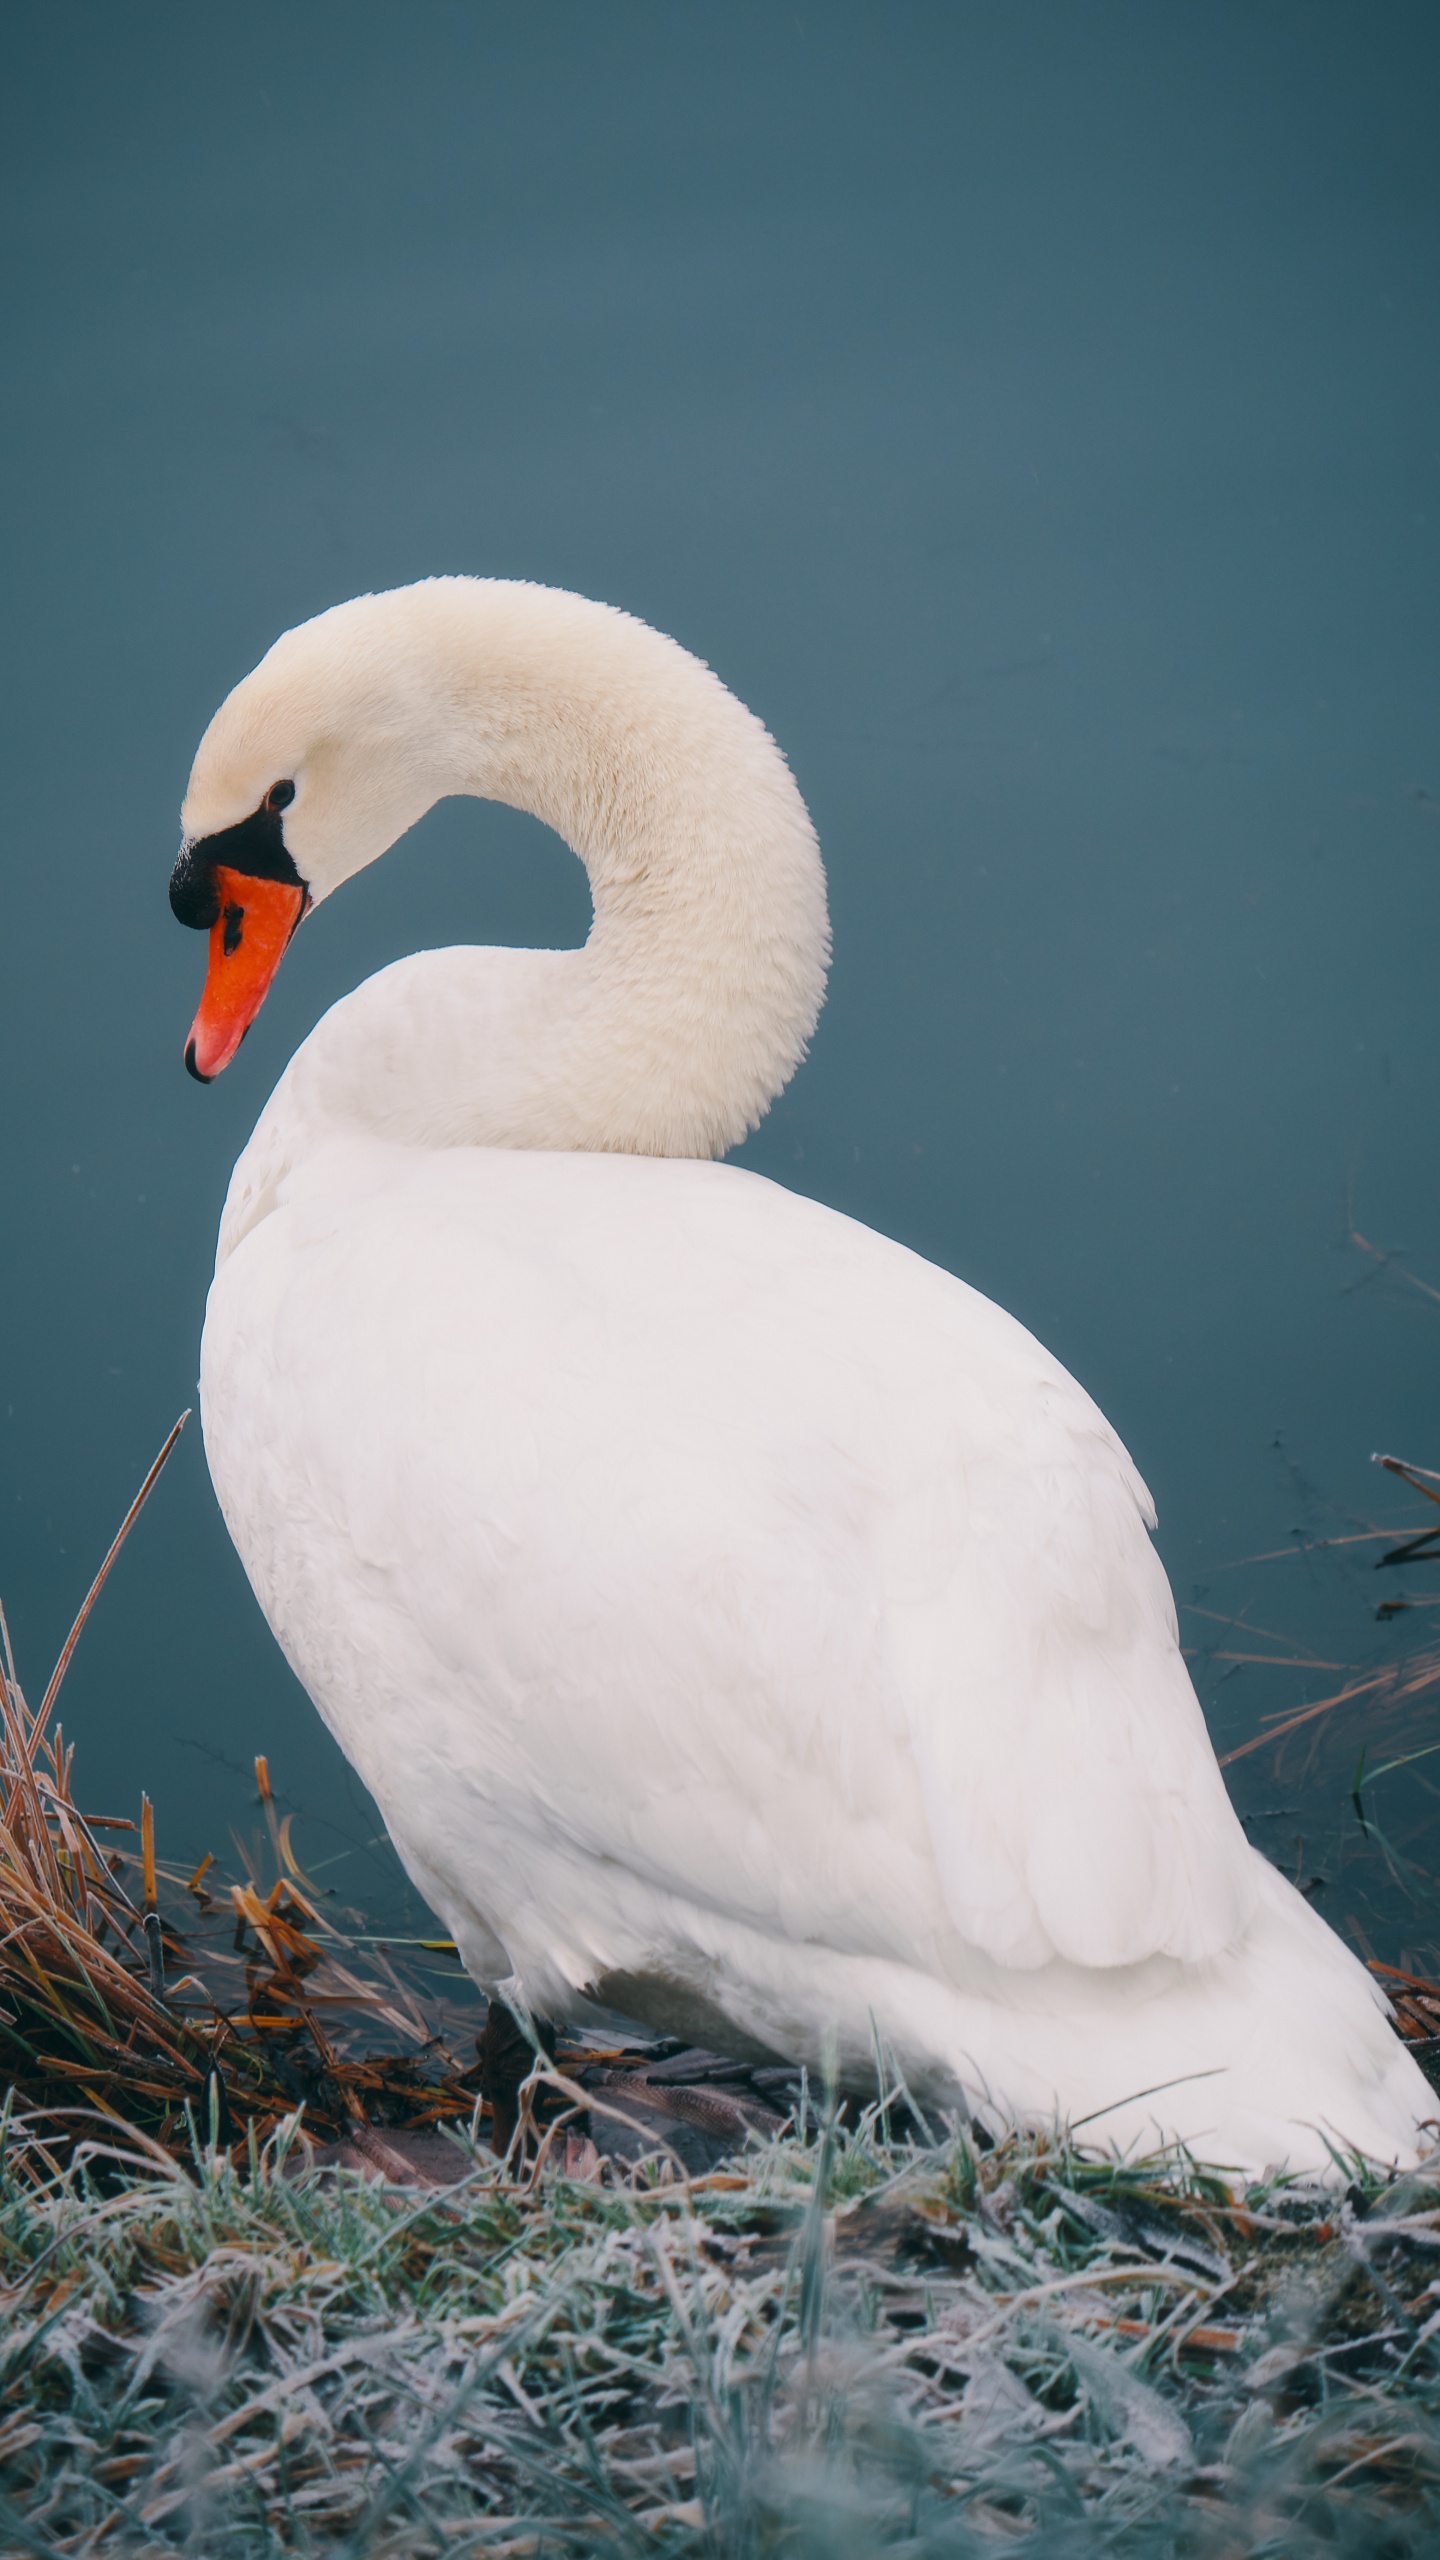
<point x="636" y="1523"/>
<point x="1075" y="1805"/>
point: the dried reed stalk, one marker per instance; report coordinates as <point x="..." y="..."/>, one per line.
<point x="86" y="2019"/>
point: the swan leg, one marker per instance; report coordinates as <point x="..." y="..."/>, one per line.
<point x="507" y="2057"/>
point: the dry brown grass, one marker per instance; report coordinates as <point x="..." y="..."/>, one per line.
<point x="130" y="1990"/>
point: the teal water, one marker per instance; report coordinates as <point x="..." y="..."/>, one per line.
<point x="1032" y="413"/>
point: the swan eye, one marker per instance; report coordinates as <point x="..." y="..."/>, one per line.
<point x="279" y="795"/>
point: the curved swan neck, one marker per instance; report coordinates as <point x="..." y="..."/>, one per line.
<point x="694" y="997"/>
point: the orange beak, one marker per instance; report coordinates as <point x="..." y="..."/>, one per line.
<point x="247" y="944"/>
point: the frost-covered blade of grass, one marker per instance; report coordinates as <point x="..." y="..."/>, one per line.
<point x="841" y="2346"/>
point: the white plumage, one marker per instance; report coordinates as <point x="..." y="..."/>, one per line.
<point x="736" y="1618"/>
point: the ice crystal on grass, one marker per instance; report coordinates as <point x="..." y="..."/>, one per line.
<point x="233" y="2359"/>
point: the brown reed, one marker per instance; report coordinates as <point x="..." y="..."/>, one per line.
<point x="117" y="2000"/>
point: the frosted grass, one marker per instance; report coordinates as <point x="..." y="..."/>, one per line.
<point x="838" y="2345"/>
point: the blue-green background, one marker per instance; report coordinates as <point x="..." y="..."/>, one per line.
<point x="1032" y="413"/>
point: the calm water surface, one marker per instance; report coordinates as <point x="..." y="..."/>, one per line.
<point x="1035" y="415"/>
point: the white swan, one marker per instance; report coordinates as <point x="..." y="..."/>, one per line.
<point x="737" y="1619"/>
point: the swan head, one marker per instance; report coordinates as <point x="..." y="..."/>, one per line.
<point x="240" y="883"/>
<point x="321" y="757"/>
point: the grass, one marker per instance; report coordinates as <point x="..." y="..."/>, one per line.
<point x="841" y="2345"/>
<point x="1333" y="1762"/>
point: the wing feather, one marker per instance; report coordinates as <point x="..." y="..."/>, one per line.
<point x="641" y="1516"/>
